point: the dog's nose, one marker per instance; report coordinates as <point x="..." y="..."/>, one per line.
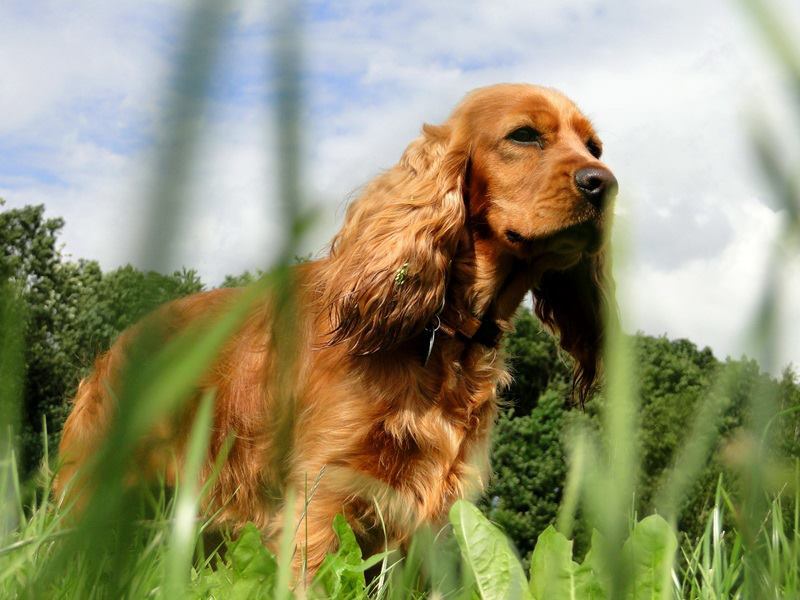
<point x="596" y="184"/>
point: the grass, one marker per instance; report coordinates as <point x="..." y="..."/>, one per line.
<point x="166" y="555"/>
<point x="150" y="543"/>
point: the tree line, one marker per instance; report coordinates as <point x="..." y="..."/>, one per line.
<point x="72" y="311"/>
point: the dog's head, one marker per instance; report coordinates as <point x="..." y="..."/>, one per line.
<point x="516" y="166"/>
<point x="537" y="185"/>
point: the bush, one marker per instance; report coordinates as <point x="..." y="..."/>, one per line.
<point x="528" y="457"/>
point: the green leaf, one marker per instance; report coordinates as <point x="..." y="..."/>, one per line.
<point x="555" y="575"/>
<point x="341" y="575"/>
<point x="487" y="553"/>
<point x="588" y="581"/>
<point x="249" y="558"/>
<point x="254" y="567"/>
<point x="649" y="552"/>
<point x="596" y="586"/>
<point x="552" y="568"/>
<point x="249" y="572"/>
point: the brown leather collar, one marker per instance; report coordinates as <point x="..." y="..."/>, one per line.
<point x="486" y="331"/>
<point x="469" y="328"/>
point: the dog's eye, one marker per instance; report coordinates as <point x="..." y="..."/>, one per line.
<point x="594" y="148"/>
<point x="525" y="135"/>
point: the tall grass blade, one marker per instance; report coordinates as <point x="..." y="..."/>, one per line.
<point x="577" y="447"/>
<point x="181" y="127"/>
<point x="693" y="454"/>
<point x="286" y="62"/>
<point x="179" y="556"/>
<point x="609" y="491"/>
<point x="286" y="549"/>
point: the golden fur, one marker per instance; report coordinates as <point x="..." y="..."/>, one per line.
<point x="455" y="234"/>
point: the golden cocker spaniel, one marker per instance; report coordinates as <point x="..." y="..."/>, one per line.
<point x="397" y="342"/>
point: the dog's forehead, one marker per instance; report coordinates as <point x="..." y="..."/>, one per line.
<point x="508" y="105"/>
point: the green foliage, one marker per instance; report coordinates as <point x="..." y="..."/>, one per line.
<point x="649" y="552"/>
<point x="247" y="277"/>
<point x="495" y="570"/>
<point x="528" y="455"/>
<point x="73" y="311"/>
<point x="30" y="262"/>
<point x="12" y="368"/>
<point x="555" y="575"/>
<point x="241" y="280"/>
<point x="342" y="573"/>
<point x="709" y="567"/>
<point x="529" y="469"/>
<point x="648" y="556"/>
<point x="535" y="363"/>
<point x="120" y="298"/>
<point x="249" y="571"/>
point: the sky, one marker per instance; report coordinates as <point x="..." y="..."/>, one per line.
<point x="674" y="88"/>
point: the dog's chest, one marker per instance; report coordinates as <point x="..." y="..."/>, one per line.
<point x="432" y="445"/>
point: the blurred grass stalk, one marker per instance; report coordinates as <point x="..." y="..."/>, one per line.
<point x="766" y="331"/>
<point x="187" y="502"/>
<point x="286" y="63"/>
<point x="181" y="127"/>
<point x="155" y="380"/>
<point x="159" y="375"/>
<point x="603" y="472"/>
<point x="12" y="370"/>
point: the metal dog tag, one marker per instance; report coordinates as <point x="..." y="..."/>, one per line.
<point x="431" y="340"/>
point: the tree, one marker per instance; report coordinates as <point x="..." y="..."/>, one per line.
<point x="31" y="261"/>
<point x="674" y="377"/>
<point x="536" y="364"/>
<point x="72" y="311"/>
<point x="529" y="469"/>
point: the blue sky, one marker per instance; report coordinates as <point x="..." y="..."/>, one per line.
<point x="670" y="85"/>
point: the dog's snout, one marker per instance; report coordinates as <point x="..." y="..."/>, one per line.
<point x="596" y="184"/>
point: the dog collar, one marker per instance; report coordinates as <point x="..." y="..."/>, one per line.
<point x="468" y="328"/>
<point x="485" y="331"/>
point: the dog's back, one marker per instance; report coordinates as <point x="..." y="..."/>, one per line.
<point x="239" y="364"/>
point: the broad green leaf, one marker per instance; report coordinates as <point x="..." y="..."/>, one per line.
<point x="594" y="561"/>
<point x="555" y="575"/>
<point x="552" y="568"/>
<point x="342" y="574"/>
<point x="649" y="551"/>
<point x="485" y="549"/>
<point x="248" y="574"/>
<point x="349" y="550"/>
<point x="249" y="557"/>
<point x="589" y="580"/>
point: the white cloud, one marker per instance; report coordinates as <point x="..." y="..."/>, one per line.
<point x="56" y="58"/>
<point x="710" y="299"/>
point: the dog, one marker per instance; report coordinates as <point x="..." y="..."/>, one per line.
<point x="397" y="338"/>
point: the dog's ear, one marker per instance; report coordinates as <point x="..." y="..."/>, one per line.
<point x="386" y="276"/>
<point x="575" y="304"/>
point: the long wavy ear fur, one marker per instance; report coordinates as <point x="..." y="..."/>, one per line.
<point x="386" y="276"/>
<point x="574" y="304"/>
